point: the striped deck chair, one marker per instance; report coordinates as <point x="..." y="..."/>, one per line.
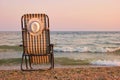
<point x="36" y="41"/>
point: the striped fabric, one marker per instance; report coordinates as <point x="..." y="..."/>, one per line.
<point x="37" y="44"/>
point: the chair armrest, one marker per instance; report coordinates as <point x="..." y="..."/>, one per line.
<point x="51" y="48"/>
<point x="51" y="45"/>
<point x="20" y="45"/>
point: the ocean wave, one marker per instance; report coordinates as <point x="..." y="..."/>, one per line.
<point x="86" y="49"/>
<point x="106" y="63"/>
<point x="94" y="42"/>
<point x="72" y="49"/>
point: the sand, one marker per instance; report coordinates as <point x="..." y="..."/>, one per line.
<point x="64" y="73"/>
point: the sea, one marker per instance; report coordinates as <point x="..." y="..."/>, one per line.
<point x="76" y="44"/>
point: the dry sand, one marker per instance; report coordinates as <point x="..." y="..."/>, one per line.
<point x="64" y="73"/>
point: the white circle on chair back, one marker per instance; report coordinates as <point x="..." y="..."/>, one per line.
<point x="35" y="26"/>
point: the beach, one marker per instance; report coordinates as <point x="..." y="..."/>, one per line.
<point x="78" y="56"/>
<point x="79" y="38"/>
<point x="83" y="73"/>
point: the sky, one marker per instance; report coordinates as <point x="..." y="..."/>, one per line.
<point x="65" y="15"/>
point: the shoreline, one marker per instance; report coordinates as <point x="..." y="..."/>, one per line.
<point x="66" y="59"/>
<point x="57" y="66"/>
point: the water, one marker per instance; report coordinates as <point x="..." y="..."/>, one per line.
<point x="80" y="41"/>
<point x="86" y="41"/>
<point x="10" y="38"/>
<point x="91" y="45"/>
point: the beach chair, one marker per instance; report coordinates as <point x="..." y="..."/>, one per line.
<point x="37" y="49"/>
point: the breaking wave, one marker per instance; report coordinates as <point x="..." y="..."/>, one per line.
<point x="106" y="63"/>
<point x="86" y="49"/>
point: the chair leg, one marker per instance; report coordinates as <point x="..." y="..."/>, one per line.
<point x="30" y="62"/>
<point x="26" y="62"/>
<point x="22" y="62"/>
<point x="52" y="61"/>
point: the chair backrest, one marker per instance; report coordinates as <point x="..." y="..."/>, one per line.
<point x="35" y="33"/>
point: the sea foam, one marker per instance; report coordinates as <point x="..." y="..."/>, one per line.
<point x="85" y="49"/>
<point x="106" y="63"/>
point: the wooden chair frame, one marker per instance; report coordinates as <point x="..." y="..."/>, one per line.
<point x="27" y="56"/>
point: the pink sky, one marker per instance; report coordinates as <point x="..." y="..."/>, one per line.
<point x="80" y="15"/>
